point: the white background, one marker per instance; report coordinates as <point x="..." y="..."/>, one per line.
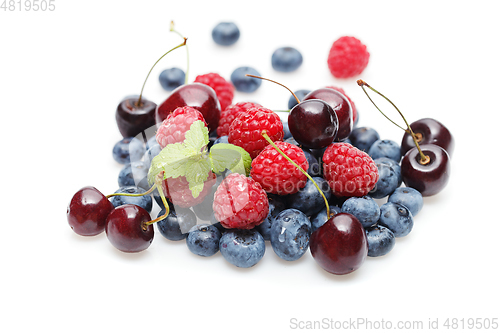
<point x="62" y="74"/>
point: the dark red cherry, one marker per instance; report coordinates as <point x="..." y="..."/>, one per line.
<point x="340" y="105"/>
<point x="87" y="211"/>
<point x="339" y="246"/>
<point x="313" y="124"/>
<point x="126" y="228"/>
<point x="428" y="131"/>
<point x="197" y="95"/>
<point x="132" y="118"/>
<point x="429" y="178"/>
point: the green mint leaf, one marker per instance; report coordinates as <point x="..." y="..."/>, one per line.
<point x="170" y="160"/>
<point x="228" y="156"/>
<point x="188" y="159"/>
<point x="197" y="172"/>
<point x="197" y="136"/>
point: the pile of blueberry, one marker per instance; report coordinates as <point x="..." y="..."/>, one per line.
<point x="333" y="212"/>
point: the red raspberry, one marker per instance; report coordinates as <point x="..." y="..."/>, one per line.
<point x="227" y="116"/>
<point x="173" y="129"/>
<point x="177" y="190"/>
<point x="275" y="173"/>
<point x="240" y="202"/>
<point x="246" y="130"/>
<point x="354" y="112"/>
<point x="223" y="89"/>
<point x="349" y="171"/>
<point x="348" y="57"/>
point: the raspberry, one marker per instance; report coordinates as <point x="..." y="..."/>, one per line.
<point x="246" y="129"/>
<point x="175" y="126"/>
<point x="275" y="173"/>
<point x="177" y="190"/>
<point x="349" y="171"/>
<point x="354" y="112"/>
<point x="227" y="116"/>
<point x="223" y="89"/>
<point x="240" y="202"/>
<point x="348" y="57"/>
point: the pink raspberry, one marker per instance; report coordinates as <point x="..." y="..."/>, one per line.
<point x="349" y="171"/>
<point x="246" y="129"/>
<point x="240" y="202"/>
<point x="173" y="129"/>
<point x="223" y="88"/>
<point x="354" y="111"/>
<point x="275" y="173"/>
<point x="230" y="113"/>
<point x="348" y="57"/>
<point x="177" y="190"/>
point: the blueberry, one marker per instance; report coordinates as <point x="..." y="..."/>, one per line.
<point x="151" y="153"/>
<point x="365" y="209"/>
<point x="363" y="138"/>
<point x="172" y="78"/>
<point x="290" y="233"/>
<point x="151" y="142"/>
<point x="134" y="174"/>
<point x="286" y="59"/>
<point x="242" y="248"/>
<point x="388" y="181"/>
<point x="397" y="218"/>
<point x="309" y="200"/>
<point x="300" y="95"/>
<point x="226" y="33"/>
<point x="203" y="240"/>
<point x="276" y="205"/>
<point x="245" y="83"/>
<point x="318" y="219"/>
<point x="143" y="201"/>
<point x="222" y="139"/>
<point x="177" y="224"/>
<point x="408" y="197"/>
<point x="314" y="169"/>
<point x="128" y="150"/>
<point x="380" y="239"/>
<point x="286" y="130"/>
<point x="394" y="165"/>
<point x="385" y="148"/>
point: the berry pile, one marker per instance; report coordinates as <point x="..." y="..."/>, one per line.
<point x="231" y="176"/>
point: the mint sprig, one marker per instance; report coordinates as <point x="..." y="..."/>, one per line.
<point x="191" y="159"/>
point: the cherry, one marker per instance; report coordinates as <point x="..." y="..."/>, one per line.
<point x="427" y="178"/>
<point x="340" y="105"/>
<point x="197" y="95"/>
<point x="135" y="115"/>
<point x="425" y="168"/>
<point x="127" y="230"/>
<point x="313" y="124"/>
<point x="339" y="246"/>
<point x="87" y="211"/>
<point x="427" y="131"/>
<point x="133" y="118"/>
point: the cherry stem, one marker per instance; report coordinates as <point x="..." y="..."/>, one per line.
<point x="424" y="159"/>
<point x="159" y="185"/>
<point x="263" y="78"/>
<point x="151" y="189"/>
<point x="172" y="29"/>
<point x="139" y="101"/>
<point x="264" y="134"/>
